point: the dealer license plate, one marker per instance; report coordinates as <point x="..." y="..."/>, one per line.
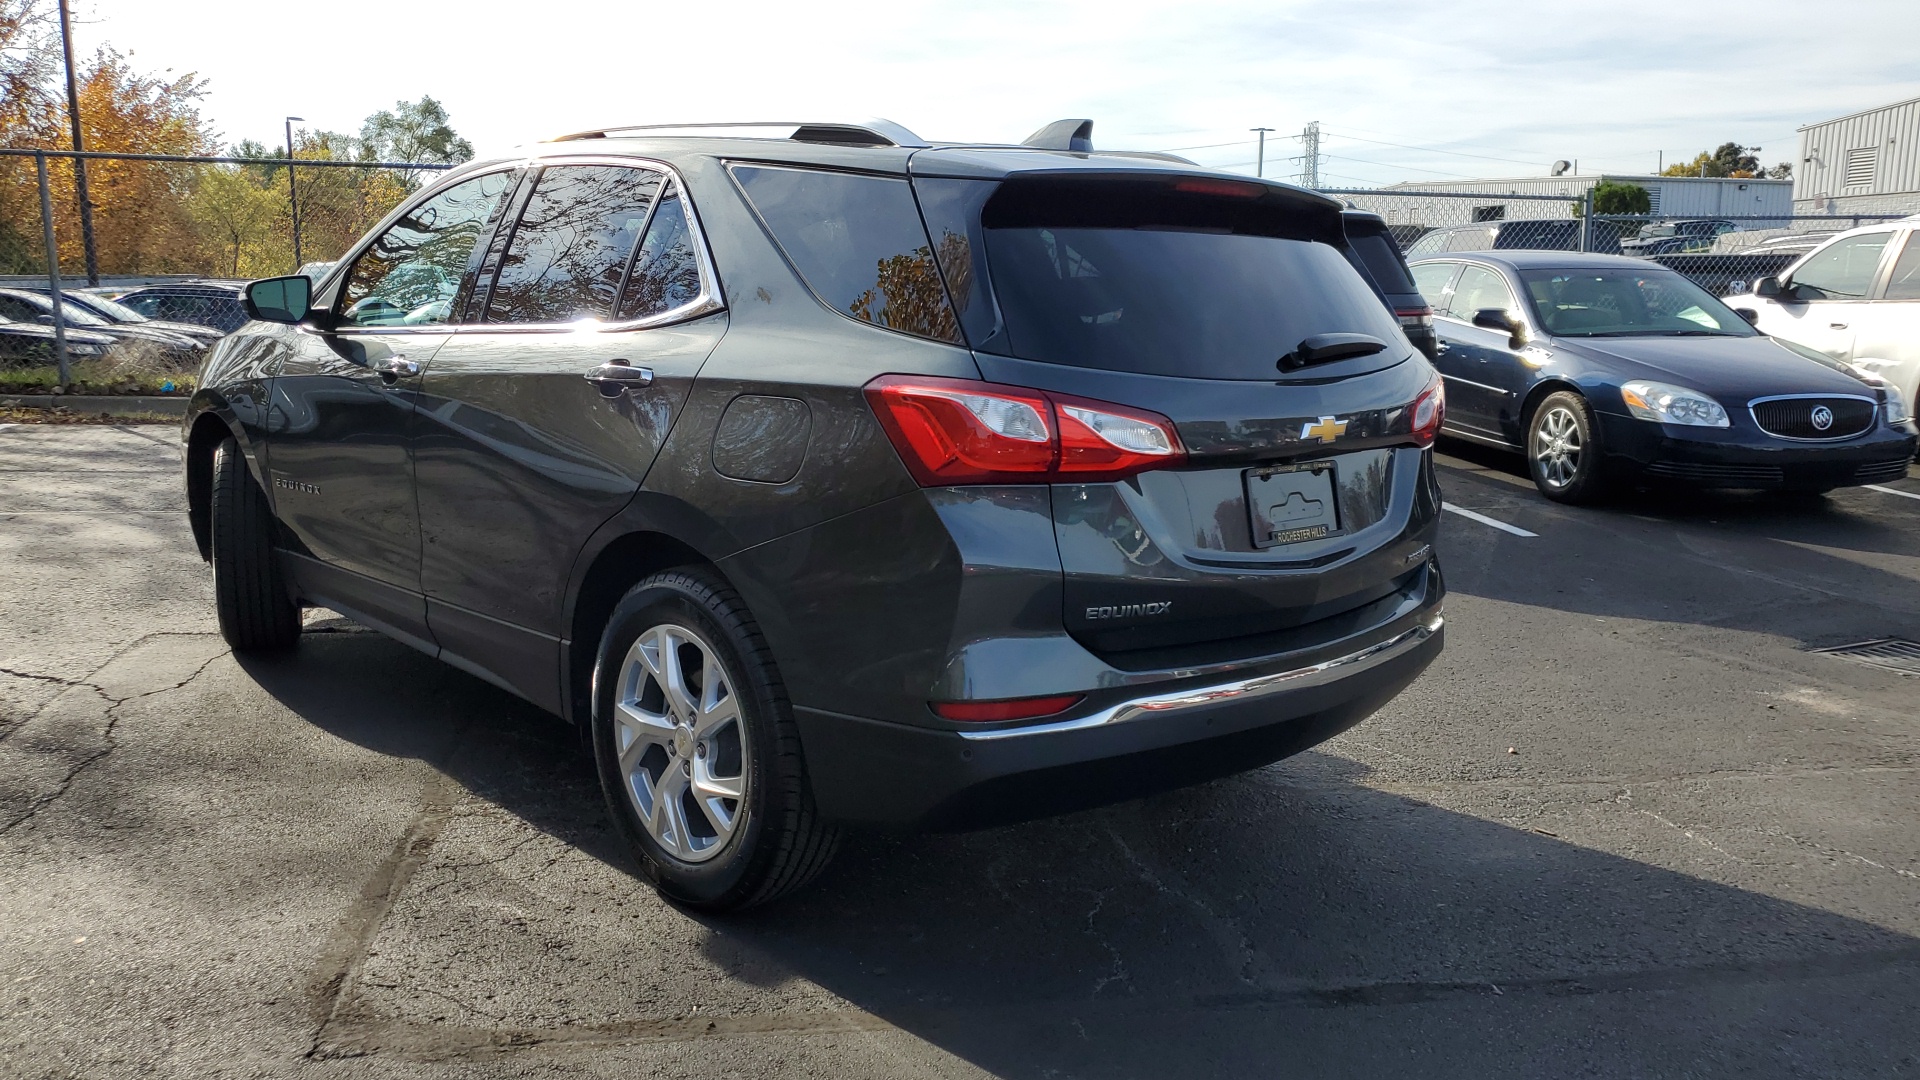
<point x="1292" y="504"/>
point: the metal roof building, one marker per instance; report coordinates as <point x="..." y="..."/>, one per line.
<point x="1754" y="201"/>
<point x="1866" y="163"/>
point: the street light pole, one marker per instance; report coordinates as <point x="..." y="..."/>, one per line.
<point x="79" y="164"/>
<point x="293" y="193"/>
<point x="1260" y="165"/>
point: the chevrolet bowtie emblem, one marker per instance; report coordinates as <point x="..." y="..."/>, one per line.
<point x="1326" y="430"/>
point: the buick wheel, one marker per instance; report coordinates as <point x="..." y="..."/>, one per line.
<point x="1563" y="454"/>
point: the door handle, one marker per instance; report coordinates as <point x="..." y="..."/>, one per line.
<point x="397" y="367"/>
<point x="1442" y="347"/>
<point x="1836" y="326"/>
<point x="616" y="377"/>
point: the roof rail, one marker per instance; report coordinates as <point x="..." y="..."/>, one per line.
<point x="1076" y="135"/>
<point x="874" y="132"/>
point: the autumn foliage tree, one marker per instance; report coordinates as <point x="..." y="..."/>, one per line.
<point x="167" y="217"/>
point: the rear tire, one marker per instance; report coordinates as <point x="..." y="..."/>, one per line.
<point x="1563" y="451"/>
<point x="256" y="610"/>
<point x="696" y="747"/>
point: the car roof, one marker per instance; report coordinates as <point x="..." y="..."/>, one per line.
<point x="1524" y="259"/>
<point x="884" y="147"/>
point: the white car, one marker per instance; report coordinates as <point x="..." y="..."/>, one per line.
<point x="1855" y="298"/>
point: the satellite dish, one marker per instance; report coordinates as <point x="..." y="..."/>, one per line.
<point x="1560" y="168"/>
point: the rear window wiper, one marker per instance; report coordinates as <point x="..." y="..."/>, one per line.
<point x="1326" y="348"/>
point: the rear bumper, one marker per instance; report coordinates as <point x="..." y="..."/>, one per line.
<point x="1735" y="458"/>
<point x="1122" y="744"/>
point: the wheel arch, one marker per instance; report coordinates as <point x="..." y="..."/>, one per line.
<point x="203" y="438"/>
<point x="1537" y="393"/>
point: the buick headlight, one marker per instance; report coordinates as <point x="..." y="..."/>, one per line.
<point x="1666" y="404"/>
<point x="1896" y="405"/>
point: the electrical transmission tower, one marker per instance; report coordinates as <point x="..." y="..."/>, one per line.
<point x="1310" y="156"/>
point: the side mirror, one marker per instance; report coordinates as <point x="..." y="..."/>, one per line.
<point x="1768" y="287"/>
<point x="280" y="299"/>
<point x="1500" y="319"/>
<point x="1747" y="313"/>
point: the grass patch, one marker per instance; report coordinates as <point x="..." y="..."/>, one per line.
<point x="68" y="416"/>
<point x="97" y="377"/>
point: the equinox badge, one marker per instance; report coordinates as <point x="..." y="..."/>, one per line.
<point x="1326" y="430"/>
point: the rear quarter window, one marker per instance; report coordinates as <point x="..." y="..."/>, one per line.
<point x="858" y="243"/>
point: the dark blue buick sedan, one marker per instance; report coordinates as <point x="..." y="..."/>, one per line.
<point x="1605" y="370"/>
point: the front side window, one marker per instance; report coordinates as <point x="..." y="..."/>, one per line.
<point x="1431" y="279"/>
<point x="858" y="243"/>
<point x="1843" y="270"/>
<point x="1627" y="302"/>
<point x="570" y="250"/>
<point x="1478" y="290"/>
<point x="1905" y="283"/>
<point x="409" y="276"/>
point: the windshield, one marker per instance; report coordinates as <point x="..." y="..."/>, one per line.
<point x="1627" y="301"/>
<point x="112" y="309"/>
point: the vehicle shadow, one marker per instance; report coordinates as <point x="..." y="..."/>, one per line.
<point x="1293" y="920"/>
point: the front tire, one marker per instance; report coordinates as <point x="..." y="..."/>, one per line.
<point x="1563" y="450"/>
<point x="256" y="610"/>
<point x="696" y="747"/>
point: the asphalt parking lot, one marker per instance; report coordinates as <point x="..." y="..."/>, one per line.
<point x="1699" y="858"/>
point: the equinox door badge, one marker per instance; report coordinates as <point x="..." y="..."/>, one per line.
<point x="1129" y="611"/>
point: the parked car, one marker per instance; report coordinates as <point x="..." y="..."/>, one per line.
<point x="1604" y="369"/>
<point x="1558" y="234"/>
<point x="1673" y="237"/>
<point x="32" y="345"/>
<point x="1371" y="249"/>
<point x="822" y="476"/>
<point x="158" y="346"/>
<point x="1855" y="298"/>
<point x="115" y="312"/>
<point x="209" y="303"/>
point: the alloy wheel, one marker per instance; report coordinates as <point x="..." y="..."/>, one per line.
<point x="680" y="742"/>
<point x="1557" y="446"/>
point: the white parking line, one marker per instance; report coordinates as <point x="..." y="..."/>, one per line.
<point x="1894" y="491"/>
<point x="1485" y="520"/>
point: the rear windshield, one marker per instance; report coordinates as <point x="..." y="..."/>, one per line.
<point x="1202" y="284"/>
<point x="1382" y="260"/>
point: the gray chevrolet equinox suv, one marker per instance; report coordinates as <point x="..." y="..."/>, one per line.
<point x="824" y="476"/>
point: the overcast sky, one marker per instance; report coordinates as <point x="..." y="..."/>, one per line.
<point x="1468" y="88"/>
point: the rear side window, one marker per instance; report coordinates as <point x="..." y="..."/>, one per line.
<point x="1184" y="277"/>
<point x="571" y="247"/>
<point x="1382" y="260"/>
<point x="666" y="271"/>
<point x="858" y="243"/>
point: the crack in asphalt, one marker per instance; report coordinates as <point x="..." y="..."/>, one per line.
<point x="112" y="715"/>
<point x="1225" y="932"/>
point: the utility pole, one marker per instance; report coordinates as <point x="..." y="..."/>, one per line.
<point x="79" y="163"/>
<point x="1310" y="156"/>
<point x="1260" y="162"/>
<point x="293" y="193"/>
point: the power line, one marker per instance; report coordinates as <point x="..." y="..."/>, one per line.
<point x="1429" y="149"/>
<point x="1415" y="168"/>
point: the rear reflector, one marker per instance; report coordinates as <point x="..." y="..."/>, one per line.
<point x="985" y="712"/>
<point x="957" y="431"/>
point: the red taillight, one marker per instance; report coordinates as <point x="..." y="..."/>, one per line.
<point x="957" y="431"/>
<point x="1428" y="410"/>
<point x="985" y="712"/>
<point x="1415" y="317"/>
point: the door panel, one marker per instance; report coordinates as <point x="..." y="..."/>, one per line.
<point x="341" y="471"/>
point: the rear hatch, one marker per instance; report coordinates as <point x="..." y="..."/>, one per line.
<point x="1304" y="492"/>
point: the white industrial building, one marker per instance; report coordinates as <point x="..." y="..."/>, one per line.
<point x="1755" y="203"/>
<point x="1866" y="163"/>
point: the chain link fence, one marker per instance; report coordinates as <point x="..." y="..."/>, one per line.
<point x="128" y="300"/>
<point x="1723" y="254"/>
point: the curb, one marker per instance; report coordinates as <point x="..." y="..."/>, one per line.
<point x="112" y="404"/>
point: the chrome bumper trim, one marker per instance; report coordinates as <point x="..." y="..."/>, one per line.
<point x="1250" y="689"/>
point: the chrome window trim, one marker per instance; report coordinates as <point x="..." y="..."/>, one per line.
<point x="1248" y="689"/>
<point x="1873" y="401"/>
<point x="1478" y="385"/>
